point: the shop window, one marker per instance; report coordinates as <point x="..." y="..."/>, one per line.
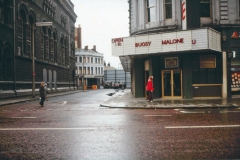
<point x="168" y="9"/>
<point x="151" y="10"/>
<point x="205" y="8"/>
<point x="207" y="69"/>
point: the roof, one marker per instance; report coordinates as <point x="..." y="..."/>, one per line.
<point x="109" y="68"/>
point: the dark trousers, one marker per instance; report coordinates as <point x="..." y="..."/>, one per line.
<point x="42" y="101"/>
<point x="150" y="95"/>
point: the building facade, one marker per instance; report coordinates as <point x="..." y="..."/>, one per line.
<point x="89" y="67"/>
<point x="31" y="52"/>
<point x="190" y="47"/>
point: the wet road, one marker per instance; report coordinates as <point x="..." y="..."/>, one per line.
<point x="75" y="127"/>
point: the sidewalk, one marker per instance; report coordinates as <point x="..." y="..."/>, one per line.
<point x="29" y="98"/>
<point x="125" y="99"/>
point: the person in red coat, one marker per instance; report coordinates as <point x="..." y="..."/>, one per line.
<point x="150" y="89"/>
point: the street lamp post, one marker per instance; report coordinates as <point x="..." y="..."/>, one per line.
<point x="83" y="74"/>
<point x="38" y="24"/>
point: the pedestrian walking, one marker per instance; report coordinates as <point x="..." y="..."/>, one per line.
<point x="150" y="89"/>
<point x="42" y="94"/>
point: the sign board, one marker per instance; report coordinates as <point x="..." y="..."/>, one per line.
<point x="208" y="61"/>
<point x="171" y="62"/>
<point x="199" y="39"/>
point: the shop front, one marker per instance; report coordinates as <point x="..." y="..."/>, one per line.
<point x="185" y="64"/>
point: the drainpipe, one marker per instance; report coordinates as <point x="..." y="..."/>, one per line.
<point x="14" y="61"/>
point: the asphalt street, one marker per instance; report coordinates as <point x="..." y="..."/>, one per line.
<point x="75" y="126"/>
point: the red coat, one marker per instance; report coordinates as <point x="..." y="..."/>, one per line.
<point x="149" y="86"/>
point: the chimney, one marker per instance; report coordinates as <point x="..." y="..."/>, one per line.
<point x="86" y="48"/>
<point x="109" y="64"/>
<point x="78" y="36"/>
<point x="94" y="47"/>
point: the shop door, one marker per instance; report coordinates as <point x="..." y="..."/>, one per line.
<point x="172" y="83"/>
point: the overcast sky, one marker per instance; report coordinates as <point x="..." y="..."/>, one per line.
<point x="102" y="20"/>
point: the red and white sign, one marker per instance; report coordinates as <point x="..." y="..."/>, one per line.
<point x="142" y="44"/>
<point x="184" y="15"/>
<point x="117" y="41"/>
<point x="199" y="39"/>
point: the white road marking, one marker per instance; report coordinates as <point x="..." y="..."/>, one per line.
<point x="217" y="126"/>
<point x="23" y="117"/>
<point x="157" y="115"/>
<point x="64" y="102"/>
<point x="229" y="111"/>
<point x="192" y="111"/>
<point x="26" y="129"/>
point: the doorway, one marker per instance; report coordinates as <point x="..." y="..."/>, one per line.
<point x="172" y="83"/>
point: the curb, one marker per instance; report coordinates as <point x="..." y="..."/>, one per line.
<point x="168" y="107"/>
<point x="22" y="99"/>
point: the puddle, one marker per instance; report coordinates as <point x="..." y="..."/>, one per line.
<point x="110" y="94"/>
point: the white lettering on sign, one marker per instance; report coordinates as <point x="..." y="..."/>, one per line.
<point x="117" y="41"/>
<point x="142" y="44"/>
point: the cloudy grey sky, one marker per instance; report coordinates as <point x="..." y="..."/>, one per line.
<point x="102" y="20"/>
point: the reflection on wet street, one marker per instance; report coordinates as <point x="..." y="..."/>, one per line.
<point x="75" y="127"/>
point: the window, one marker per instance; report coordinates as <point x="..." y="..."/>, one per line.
<point x="80" y="59"/>
<point x="80" y="70"/>
<point x="91" y="60"/>
<point x="88" y="70"/>
<point x="95" y="60"/>
<point x="168" y="9"/>
<point x="151" y="10"/>
<point x="55" y="47"/>
<point x="6" y="10"/>
<point x="205" y="8"/>
<point x="91" y="70"/>
<point x="239" y="8"/>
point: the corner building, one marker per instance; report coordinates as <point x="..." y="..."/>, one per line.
<point x="190" y="47"/>
<point x="28" y="51"/>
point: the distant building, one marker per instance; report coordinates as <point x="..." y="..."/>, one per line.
<point x="89" y="67"/>
<point x="112" y="74"/>
<point x="89" y="63"/>
<point x="29" y="53"/>
<point x="108" y="67"/>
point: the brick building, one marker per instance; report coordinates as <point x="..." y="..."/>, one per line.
<point x="53" y="47"/>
